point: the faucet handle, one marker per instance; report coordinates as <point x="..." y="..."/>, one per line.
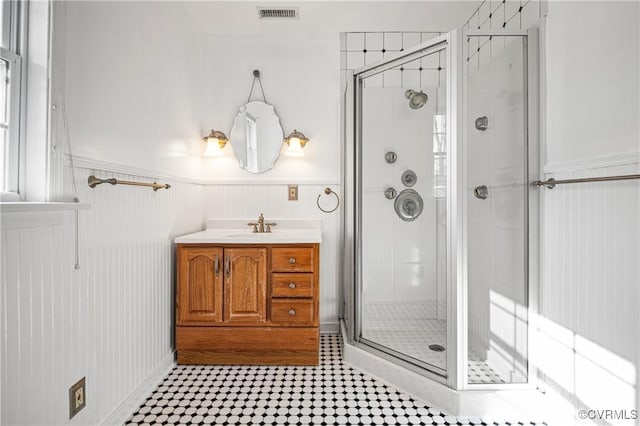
<point x="255" y="226"/>
<point x="269" y="225"/>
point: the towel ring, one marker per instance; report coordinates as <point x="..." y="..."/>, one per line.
<point x="329" y="191"/>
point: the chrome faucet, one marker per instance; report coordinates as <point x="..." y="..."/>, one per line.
<point x="259" y="226"/>
<point x="261" y="223"/>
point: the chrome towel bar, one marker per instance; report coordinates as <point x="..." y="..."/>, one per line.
<point x="94" y="181"/>
<point x="551" y="183"/>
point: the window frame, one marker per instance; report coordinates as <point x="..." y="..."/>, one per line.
<point x="13" y="51"/>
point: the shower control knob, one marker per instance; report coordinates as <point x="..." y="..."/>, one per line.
<point x="292" y="285"/>
<point x="390" y="157"/>
<point x="481" y="192"/>
<point x="482" y="123"/>
<point x="390" y="193"/>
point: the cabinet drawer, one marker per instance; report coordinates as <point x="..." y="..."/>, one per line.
<point x="292" y="259"/>
<point x="292" y="285"/>
<point x="292" y="311"/>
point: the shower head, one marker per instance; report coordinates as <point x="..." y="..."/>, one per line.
<point x="416" y="99"/>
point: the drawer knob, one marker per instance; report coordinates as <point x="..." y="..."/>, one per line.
<point x="292" y="285"/>
<point x="292" y="260"/>
<point x="292" y="312"/>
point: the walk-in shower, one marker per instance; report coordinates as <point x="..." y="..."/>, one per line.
<point x="437" y="209"/>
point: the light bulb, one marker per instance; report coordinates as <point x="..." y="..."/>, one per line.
<point x="295" y="148"/>
<point x="213" y="148"/>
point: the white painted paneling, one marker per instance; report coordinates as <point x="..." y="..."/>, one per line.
<point x="37" y="321"/>
<point x="587" y="344"/>
<point x="248" y="201"/>
<point x="590" y="290"/>
<point x="111" y="320"/>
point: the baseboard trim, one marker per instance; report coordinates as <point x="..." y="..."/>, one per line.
<point x="131" y="403"/>
<point x="329" y="328"/>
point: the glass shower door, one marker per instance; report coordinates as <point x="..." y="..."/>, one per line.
<point x="497" y="190"/>
<point x="401" y="207"/>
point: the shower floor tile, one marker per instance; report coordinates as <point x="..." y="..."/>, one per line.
<point x="410" y="327"/>
<point x="332" y="393"/>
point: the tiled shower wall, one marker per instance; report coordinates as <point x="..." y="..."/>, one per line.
<point x="358" y="49"/>
<point x="498" y="15"/>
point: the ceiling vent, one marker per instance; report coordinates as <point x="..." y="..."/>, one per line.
<point x="278" y="13"/>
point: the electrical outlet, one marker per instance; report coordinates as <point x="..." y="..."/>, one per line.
<point x="77" y="398"/>
<point x="293" y="192"/>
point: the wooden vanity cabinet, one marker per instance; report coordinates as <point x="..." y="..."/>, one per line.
<point x="199" y="293"/>
<point x="247" y="304"/>
<point x="245" y="282"/>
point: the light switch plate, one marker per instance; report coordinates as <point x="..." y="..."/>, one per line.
<point x="293" y="192"/>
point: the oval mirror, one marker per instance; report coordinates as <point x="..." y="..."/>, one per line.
<point x="256" y="137"/>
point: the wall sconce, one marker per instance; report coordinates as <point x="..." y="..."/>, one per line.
<point x="295" y="141"/>
<point x="215" y="141"/>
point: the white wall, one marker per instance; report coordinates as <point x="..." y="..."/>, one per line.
<point x="592" y="84"/>
<point x="139" y="86"/>
<point x="300" y="76"/>
<point x="134" y="85"/>
<point x="587" y="348"/>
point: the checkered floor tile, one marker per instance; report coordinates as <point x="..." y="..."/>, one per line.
<point x="329" y="394"/>
<point x="411" y="327"/>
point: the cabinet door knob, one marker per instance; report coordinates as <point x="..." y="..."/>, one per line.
<point x="292" y="260"/>
<point x="292" y="312"/>
<point x="292" y="285"/>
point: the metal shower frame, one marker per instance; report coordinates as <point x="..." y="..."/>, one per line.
<point x="455" y="375"/>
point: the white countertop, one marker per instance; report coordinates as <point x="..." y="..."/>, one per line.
<point x="236" y="231"/>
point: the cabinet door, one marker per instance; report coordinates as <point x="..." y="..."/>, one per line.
<point x="199" y="295"/>
<point x="245" y="284"/>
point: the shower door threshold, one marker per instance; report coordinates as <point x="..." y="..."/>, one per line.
<point x="432" y="389"/>
<point x="411" y="363"/>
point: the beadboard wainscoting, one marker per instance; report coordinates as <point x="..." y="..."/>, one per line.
<point x="110" y="320"/>
<point x="246" y="200"/>
<point x="586" y="336"/>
